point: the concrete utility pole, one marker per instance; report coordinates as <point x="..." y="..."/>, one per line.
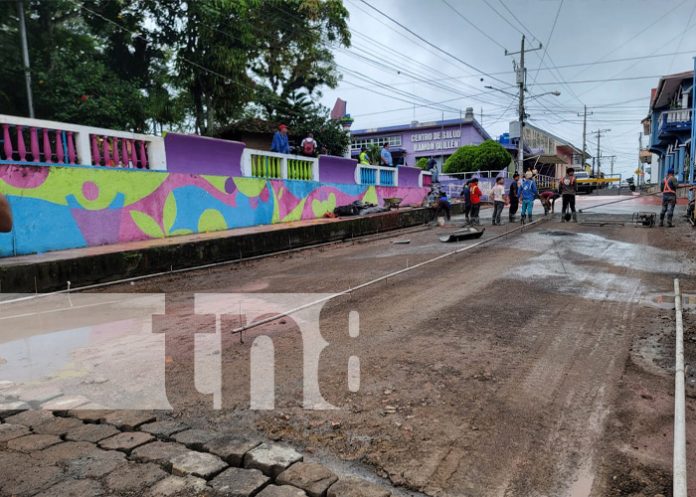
<point x="640" y="159"/>
<point x="25" y="56"/>
<point x="521" y="82"/>
<point x="599" y="159"/>
<point x="584" y="135"/>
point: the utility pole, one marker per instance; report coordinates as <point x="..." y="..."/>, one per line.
<point x="584" y="135"/>
<point x="599" y="159"/>
<point x="641" y="176"/>
<point x="521" y="82"/>
<point x="25" y="56"/>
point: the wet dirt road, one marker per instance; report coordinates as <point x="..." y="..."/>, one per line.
<point x="538" y="365"/>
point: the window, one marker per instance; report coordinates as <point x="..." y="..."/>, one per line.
<point x="358" y="142"/>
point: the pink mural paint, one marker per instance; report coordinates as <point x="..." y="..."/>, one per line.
<point x="22" y="177"/>
<point x="7" y="141"/>
<point x="90" y="190"/>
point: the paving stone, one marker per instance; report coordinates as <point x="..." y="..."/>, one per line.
<point x="20" y="475"/>
<point x="355" y="487"/>
<point x="160" y="453"/>
<point x="32" y="443"/>
<point x="8" y="409"/>
<point x="195" y="439"/>
<point x="189" y="486"/>
<point x="134" y="477"/>
<point x="95" y="464"/>
<point x="231" y="449"/>
<point x="74" y="488"/>
<point x="31" y="418"/>
<point x="58" y="426"/>
<point x="271" y="459"/>
<point x="65" y="403"/>
<point x="313" y="478"/>
<point x="163" y="429"/>
<point x="89" y="415"/>
<point x="9" y="431"/>
<point x="238" y="482"/>
<point x="281" y="491"/>
<point x="129" y="420"/>
<point x="127" y="441"/>
<point x="91" y="433"/>
<point x="197" y="464"/>
<point x="65" y="451"/>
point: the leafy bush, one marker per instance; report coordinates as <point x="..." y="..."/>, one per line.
<point x="422" y="163"/>
<point x="488" y="156"/>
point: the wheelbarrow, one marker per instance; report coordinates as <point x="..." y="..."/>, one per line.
<point x="392" y="202"/>
<point x="467" y="233"/>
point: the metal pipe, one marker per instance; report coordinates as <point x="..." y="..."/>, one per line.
<point x="679" y="469"/>
<point x="622" y="200"/>
<point x="25" y="56"/>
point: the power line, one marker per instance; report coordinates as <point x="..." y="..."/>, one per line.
<point x="474" y="25"/>
<point x="548" y="40"/>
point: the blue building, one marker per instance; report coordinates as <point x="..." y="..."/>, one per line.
<point x="669" y="125"/>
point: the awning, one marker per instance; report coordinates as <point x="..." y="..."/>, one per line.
<point x="550" y="160"/>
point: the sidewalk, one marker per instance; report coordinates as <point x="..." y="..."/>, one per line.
<point x="91" y="265"/>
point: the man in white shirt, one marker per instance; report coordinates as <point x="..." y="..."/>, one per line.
<point x="497" y="195"/>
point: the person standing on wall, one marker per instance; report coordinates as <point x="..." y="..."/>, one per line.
<point x="5" y="215"/>
<point x="386" y="156"/>
<point x="280" y="143"/>
<point x="364" y="158"/>
<point x="669" y="198"/>
<point x="514" y="195"/>
<point x="432" y="167"/>
<point x="569" y="188"/>
<point x="309" y="146"/>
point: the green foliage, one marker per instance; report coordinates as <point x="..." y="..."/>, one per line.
<point x="373" y="152"/>
<point x="142" y="63"/>
<point x="488" y="156"/>
<point x="422" y="163"/>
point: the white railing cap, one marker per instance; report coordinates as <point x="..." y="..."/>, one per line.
<point x="266" y="153"/>
<point x="76" y="128"/>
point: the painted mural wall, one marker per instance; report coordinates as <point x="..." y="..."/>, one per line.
<point x="65" y="207"/>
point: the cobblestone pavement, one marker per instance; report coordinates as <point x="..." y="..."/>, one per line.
<point x="90" y="453"/>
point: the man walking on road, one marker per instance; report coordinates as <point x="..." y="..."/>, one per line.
<point x="5" y="215"/>
<point x="514" y="196"/>
<point x="498" y="198"/>
<point x="528" y="192"/>
<point x="475" y="195"/>
<point x="669" y="198"/>
<point x="569" y="188"/>
<point x="466" y="196"/>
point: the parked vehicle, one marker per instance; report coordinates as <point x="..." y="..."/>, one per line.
<point x="584" y="187"/>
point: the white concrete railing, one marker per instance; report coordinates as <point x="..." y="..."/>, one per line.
<point x="677" y="116"/>
<point x="52" y="142"/>
<point x="376" y="175"/>
<point x="263" y="164"/>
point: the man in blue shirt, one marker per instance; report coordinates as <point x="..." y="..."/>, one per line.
<point x="528" y="192"/>
<point x="280" y="142"/>
<point x="386" y="156"/>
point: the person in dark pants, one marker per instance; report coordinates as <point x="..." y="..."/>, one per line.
<point x="475" y="193"/>
<point x="497" y="195"/>
<point x="548" y="201"/>
<point x="466" y="196"/>
<point x="443" y="205"/>
<point x="669" y="198"/>
<point x="5" y="215"/>
<point x="569" y="188"/>
<point x="514" y="196"/>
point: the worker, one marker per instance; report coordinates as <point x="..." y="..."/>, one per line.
<point x="669" y="198"/>
<point x="475" y="194"/>
<point x="528" y="192"/>
<point x="548" y="201"/>
<point x="513" y="195"/>
<point x="363" y="157"/>
<point x="466" y="196"/>
<point x="569" y="188"/>
<point x="5" y="215"/>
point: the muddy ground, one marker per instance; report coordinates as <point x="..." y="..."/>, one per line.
<point x="539" y="365"/>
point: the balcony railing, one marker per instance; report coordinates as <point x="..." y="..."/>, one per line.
<point x="36" y="141"/>
<point x="272" y="165"/>
<point x="376" y="175"/>
<point x="673" y="121"/>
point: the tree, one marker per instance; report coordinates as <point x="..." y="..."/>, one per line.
<point x="327" y="132"/>
<point x="488" y="156"/>
<point x="422" y="163"/>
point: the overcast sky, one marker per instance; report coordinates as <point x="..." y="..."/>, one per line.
<point x="586" y="31"/>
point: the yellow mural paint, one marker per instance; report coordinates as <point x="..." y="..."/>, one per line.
<point x="370" y="196"/>
<point x="217" y="182"/>
<point x="250" y="187"/>
<point x="319" y="208"/>
<point x="211" y="220"/>
<point x="296" y="213"/>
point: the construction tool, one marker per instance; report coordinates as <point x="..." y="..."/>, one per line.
<point x="467" y="233"/>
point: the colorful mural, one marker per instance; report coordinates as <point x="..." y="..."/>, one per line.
<point x="62" y="207"/>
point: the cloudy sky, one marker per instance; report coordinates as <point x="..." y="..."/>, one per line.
<point x="392" y="77"/>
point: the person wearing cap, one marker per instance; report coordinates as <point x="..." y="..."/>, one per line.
<point x="669" y="198"/>
<point x="5" y="215"/>
<point x="513" y="195"/>
<point x="528" y="193"/>
<point x="280" y="143"/>
<point x="475" y="194"/>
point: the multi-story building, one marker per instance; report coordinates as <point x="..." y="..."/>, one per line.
<point x="410" y="142"/>
<point x="669" y="125"/>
